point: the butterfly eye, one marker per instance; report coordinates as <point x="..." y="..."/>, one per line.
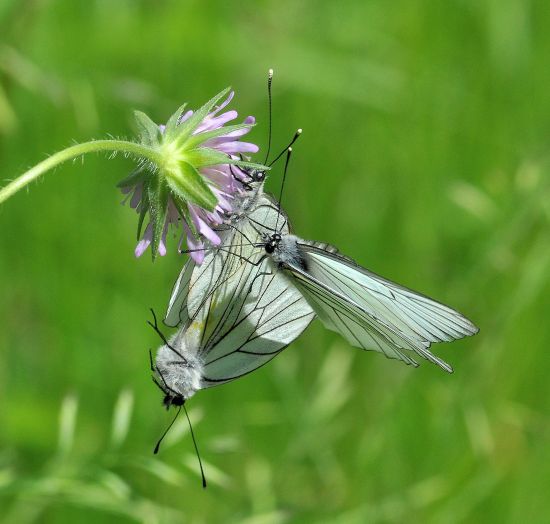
<point x="270" y="246"/>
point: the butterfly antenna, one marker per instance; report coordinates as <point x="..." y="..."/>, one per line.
<point x="196" y="447"/>
<point x="296" y="136"/>
<point x="288" y="155"/>
<point x="157" y="447"/>
<point x="269" y="82"/>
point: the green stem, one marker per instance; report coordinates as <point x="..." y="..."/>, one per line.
<point x="74" y="152"/>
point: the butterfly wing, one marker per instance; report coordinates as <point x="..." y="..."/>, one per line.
<point x="249" y="333"/>
<point x="244" y="311"/>
<point x="252" y="216"/>
<point x="196" y="282"/>
<point x="176" y="313"/>
<point x="358" y="327"/>
<point x="412" y="313"/>
<point x="372" y="312"/>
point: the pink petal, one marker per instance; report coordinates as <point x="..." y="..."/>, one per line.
<point x="214" y="217"/>
<point x="141" y="247"/>
<point x="209" y="124"/>
<point x="237" y="147"/>
<point x="185" y="116"/>
<point x="223" y="104"/>
<point x="203" y="227"/>
<point x="219" y="178"/>
<point x="240" y="132"/>
<point x="208" y="233"/>
<point x="194" y="245"/>
<point x="162" y="243"/>
<point x="145" y="241"/>
<point x="197" y="256"/>
<point x="222" y="202"/>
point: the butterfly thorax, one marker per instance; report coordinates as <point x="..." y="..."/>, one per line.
<point x="179" y="375"/>
<point x="247" y="201"/>
<point x="284" y="250"/>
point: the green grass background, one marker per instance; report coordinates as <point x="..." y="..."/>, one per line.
<point x="425" y="156"/>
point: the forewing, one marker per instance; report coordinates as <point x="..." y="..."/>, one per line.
<point x="357" y="326"/>
<point x="412" y="313"/>
<point x="225" y="271"/>
<point x="176" y="313"/>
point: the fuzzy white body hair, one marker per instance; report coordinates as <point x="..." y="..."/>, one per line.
<point x="287" y="252"/>
<point x="180" y="375"/>
<point x="247" y="201"/>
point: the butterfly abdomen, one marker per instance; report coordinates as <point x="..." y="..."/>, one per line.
<point x="329" y="248"/>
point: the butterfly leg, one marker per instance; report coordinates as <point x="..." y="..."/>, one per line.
<point x="166" y="386"/>
<point x="156" y="371"/>
<point x="246" y="185"/>
<point x="240" y="233"/>
<point x="163" y="338"/>
<point x="157" y="383"/>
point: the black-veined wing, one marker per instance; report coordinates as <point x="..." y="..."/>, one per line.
<point x="372" y="312"/>
<point x="243" y="311"/>
<point x="357" y="326"/>
<point x="413" y="313"/>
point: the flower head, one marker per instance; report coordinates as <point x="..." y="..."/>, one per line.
<point x="195" y="182"/>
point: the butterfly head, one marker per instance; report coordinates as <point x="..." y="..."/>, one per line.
<point x="272" y="243"/>
<point x="170" y="399"/>
<point x="254" y="178"/>
<point x="257" y="176"/>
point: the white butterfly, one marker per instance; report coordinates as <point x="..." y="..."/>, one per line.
<point x="234" y="313"/>
<point x="371" y="312"/>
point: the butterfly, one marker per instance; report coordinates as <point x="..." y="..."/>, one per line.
<point x="369" y="311"/>
<point x="234" y="313"/>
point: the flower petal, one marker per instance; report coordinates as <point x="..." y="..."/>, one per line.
<point x="185" y="116"/>
<point x="194" y="245"/>
<point x="197" y="256"/>
<point x="225" y="103"/>
<point x="145" y="241"/>
<point x="214" y="123"/>
<point x="237" y="147"/>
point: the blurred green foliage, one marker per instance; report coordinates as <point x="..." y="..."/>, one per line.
<point x="424" y="156"/>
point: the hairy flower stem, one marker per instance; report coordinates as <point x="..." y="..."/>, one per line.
<point x="138" y="150"/>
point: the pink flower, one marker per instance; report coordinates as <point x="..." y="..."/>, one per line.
<point x="194" y="188"/>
